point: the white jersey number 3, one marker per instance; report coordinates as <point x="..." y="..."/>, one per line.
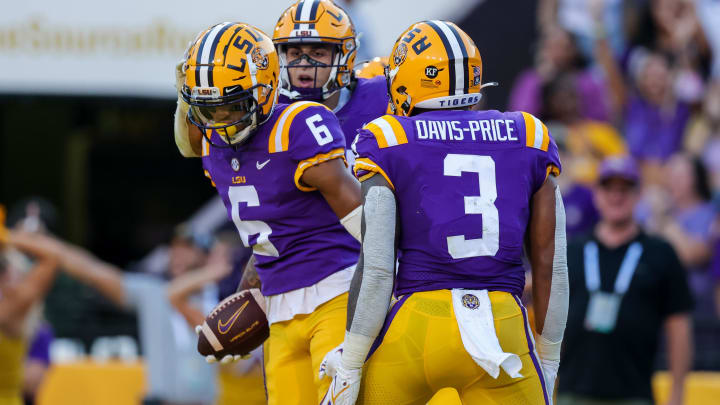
<point x="248" y="194"/>
<point x="484" y="204"/>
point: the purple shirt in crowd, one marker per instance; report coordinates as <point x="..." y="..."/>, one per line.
<point x="40" y="345"/>
<point x="580" y="212"/>
<point x="526" y="95"/>
<point x="463" y="181"/>
<point x="653" y="134"/>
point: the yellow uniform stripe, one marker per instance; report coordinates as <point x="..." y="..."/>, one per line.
<point x="387" y="131"/>
<point x="280" y="134"/>
<point x="552" y="169"/>
<point x="397" y="129"/>
<point x="379" y="137"/>
<point x="529" y="130"/>
<point x="372" y="167"/>
<point x="546" y="138"/>
<point x="316" y="160"/>
<point x="206" y="144"/>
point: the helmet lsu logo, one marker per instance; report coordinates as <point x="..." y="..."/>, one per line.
<point x="477" y="75"/>
<point x="259" y="58"/>
<point x="400" y="54"/>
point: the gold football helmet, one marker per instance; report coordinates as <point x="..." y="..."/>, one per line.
<point x="312" y="22"/>
<point x="372" y="68"/>
<point x="433" y="65"/>
<point x="231" y="81"/>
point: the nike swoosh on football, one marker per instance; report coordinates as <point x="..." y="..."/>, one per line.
<point x="261" y="165"/>
<point x="224" y="327"/>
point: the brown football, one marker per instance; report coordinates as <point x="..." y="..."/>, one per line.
<point x="237" y="325"/>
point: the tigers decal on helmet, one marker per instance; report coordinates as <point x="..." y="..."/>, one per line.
<point x="231" y="81"/>
<point x="433" y="65"/>
<point x="316" y="22"/>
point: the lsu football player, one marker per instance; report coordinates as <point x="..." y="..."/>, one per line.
<point x="281" y="173"/>
<point x="317" y="43"/>
<point x="455" y="194"/>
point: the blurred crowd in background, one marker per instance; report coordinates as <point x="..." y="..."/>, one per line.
<point x="610" y="77"/>
<point x="641" y="78"/>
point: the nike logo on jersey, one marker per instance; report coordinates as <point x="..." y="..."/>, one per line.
<point x="261" y="165"/>
<point x="224" y="327"/>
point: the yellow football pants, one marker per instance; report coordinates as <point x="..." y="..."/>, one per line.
<point x="295" y="349"/>
<point x="246" y="388"/>
<point x="421" y="352"/>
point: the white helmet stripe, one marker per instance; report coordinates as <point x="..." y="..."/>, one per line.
<point x="205" y="53"/>
<point x="457" y="51"/>
<point x="306" y="9"/>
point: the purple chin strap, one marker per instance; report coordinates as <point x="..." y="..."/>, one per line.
<point x="309" y="94"/>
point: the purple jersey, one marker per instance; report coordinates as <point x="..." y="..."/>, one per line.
<point x="369" y="100"/>
<point x="463" y="181"/>
<point x="296" y="238"/>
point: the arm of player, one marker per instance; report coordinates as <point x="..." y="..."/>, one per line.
<point x="548" y="259"/>
<point x="370" y="291"/>
<point x="341" y="191"/>
<point x="678" y="331"/>
<point x="18" y="299"/>
<point x="250" y="278"/>
<point x="182" y="287"/>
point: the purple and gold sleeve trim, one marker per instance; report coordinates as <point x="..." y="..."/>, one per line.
<point x="552" y="169"/>
<point x="536" y="133"/>
<point x="387" y="131"/>
<point x="316" y="160"/>
<point x="279" y="139"/>
<point x="365" y="168"/>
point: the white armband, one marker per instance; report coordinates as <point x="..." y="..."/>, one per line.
<point x="353" y="222"/>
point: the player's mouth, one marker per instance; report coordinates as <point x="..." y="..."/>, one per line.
<point x="305" y="81"/>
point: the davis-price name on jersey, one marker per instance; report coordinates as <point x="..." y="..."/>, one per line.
<point x="500" y="130"/>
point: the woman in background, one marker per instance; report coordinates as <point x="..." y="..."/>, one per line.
<point x="18" y="295"/>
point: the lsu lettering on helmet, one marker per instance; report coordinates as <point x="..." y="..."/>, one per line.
<point x="433" y="65"/>
<point x="310" y="22"/>
<point x="231" y="81"/>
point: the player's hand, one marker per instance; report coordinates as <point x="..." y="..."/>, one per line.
<point x="331" y="362"/>
<point x="550" y="370"/>
<point x="228" y="358"/>
<point x="344" y="388"/>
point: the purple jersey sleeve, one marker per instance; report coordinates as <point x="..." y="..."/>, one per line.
<point x="314" y="137"/>
<point x="371" y="147"/>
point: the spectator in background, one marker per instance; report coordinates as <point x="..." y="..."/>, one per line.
<point x="655" y="118"/>
<point x="708" y="12"/>
<point x="175" y="373"/>
<point x="681" y="213"/>
<point x="625" y="286"/>
<point x="557" y="54"/>
<point x="587" y="141"/>
<point x="20" y="291"/>
<point x="702" y="137"/>
<point x="242" y="381"/>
